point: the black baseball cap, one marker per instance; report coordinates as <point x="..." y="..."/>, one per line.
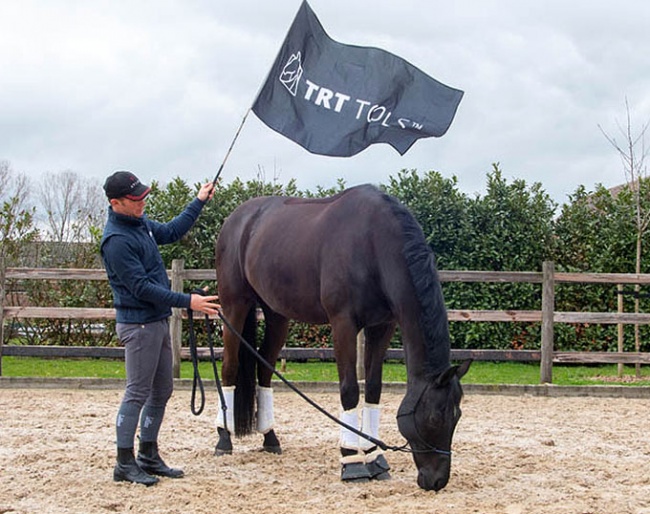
<point x="124" y="184"/>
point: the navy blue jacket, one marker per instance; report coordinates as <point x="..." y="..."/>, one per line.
<point x="135" y="269"/>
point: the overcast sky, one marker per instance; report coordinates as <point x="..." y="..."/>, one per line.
<point x="159" y="87"/>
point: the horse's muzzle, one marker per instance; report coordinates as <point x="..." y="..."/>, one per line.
<point x="432" y="481"/>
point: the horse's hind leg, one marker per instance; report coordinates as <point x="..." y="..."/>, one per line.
<point x="236" y="316"/>
<point x="275" y="334"/>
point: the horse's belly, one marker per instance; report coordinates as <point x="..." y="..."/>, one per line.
<point x="298" y="302"/>
<point x="299" y="309"/>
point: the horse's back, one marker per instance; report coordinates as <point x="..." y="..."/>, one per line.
<point x="303" y="257"/>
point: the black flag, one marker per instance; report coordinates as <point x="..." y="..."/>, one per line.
<point x="336" y="99"/>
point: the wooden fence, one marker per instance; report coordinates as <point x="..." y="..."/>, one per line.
<point x="547" y="316"/>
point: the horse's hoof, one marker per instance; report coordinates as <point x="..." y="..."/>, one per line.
<point x="271" y="443"/>
<point x="224" y="445"/>
<point x="272" y="449"/>
<point x="219" y="452"/>
<point x="355" y="472"/>
<point x="378" y="468"/>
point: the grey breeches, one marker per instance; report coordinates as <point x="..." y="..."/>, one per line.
<point x="148" y="361"/>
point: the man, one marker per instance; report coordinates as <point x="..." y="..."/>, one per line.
<point x="143" y="300"/>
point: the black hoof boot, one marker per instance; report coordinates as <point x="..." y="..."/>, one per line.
<point x="355" y="472"/>
<point x="354" y="469"/>
<point x="127" y="469"/>
<point x="378" y="468"/>
<point x="224" y="445"/>
<point x="271" y="443"/>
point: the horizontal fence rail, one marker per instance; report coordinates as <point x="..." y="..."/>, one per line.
<point x="548" y="278"/>
<point x="327" y="354"/>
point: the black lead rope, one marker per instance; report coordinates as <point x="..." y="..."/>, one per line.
<point x="196" y="381"/>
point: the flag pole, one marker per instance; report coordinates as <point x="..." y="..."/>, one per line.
<point x="214" y="182"/>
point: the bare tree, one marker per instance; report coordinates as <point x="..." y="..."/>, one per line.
<point x="73" y="205"/>
<point x="16" y="216"/>
<point x="13" y="185"/>
<point x="633" y="153"/>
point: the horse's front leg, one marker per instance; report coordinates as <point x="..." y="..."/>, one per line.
<point x="353" y="468"/>
<point x="377" y="342"/>
<point x="275" y="334"/>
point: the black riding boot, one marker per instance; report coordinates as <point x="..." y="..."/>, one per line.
<point x="127" y="469"/>
<point x="150" y="461"/>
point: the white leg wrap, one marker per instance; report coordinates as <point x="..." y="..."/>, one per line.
<point x="349" y="439"/>
<point x="229" y="396"/>
<point x="369" y="424"/>
<point x="265" y="419"/>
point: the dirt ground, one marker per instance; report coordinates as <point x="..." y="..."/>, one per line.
<point x="511" y="455"/>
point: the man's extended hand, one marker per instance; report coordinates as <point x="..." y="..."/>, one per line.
<point x="206" y="192"/>
<point x="205" y="304"/>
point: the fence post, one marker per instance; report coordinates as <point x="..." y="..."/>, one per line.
<point x="2" y="307"/>
<point x="619" y="326"/>
<point x="548" y="310"/>
<point x="176" y="322"/>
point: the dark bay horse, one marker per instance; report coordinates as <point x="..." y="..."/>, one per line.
<point x="358" y="261"/>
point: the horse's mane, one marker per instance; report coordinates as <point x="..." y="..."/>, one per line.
<point x="421" y="264"/>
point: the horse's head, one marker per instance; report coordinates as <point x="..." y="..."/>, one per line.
<point x="427" y="418"/>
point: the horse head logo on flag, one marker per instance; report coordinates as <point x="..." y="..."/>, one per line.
<point x="291" y="73"/>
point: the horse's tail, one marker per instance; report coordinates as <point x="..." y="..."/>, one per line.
<point x="246" y="375"/>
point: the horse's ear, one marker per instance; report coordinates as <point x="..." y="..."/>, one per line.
<point x="463" y="368"/>
<point x="459" y="371"/>
<point x="444" y="377"/>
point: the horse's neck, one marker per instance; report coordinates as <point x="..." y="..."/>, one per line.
<point x="422" y="317"/>
<point x="420" y="360"/>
